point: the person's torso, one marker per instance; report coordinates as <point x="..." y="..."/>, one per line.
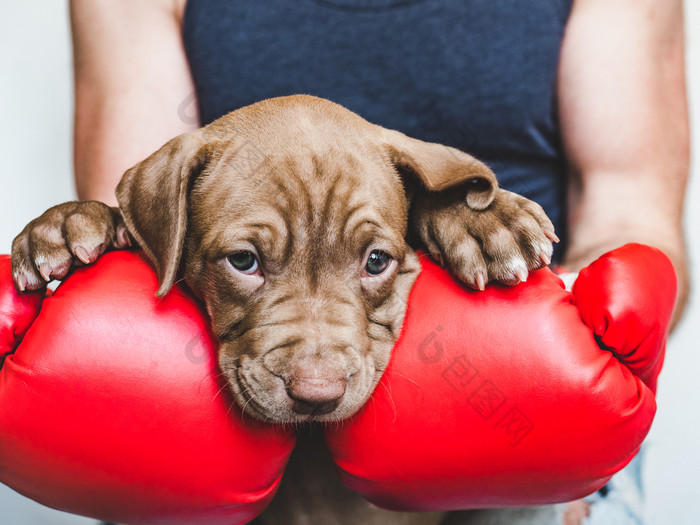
<point x="478" y="75"/>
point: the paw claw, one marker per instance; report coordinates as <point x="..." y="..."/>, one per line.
<point x="22" y="282"/>
<point x="480" y="281"/>
<point x="123" y="240"/>
<point x="82" y="254"/>
<point x="45" y="271"/>
<point x="521" y="274"/>
<point x="550" y="235"/>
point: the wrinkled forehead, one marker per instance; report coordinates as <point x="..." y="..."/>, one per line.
<point x="319" y="190"/>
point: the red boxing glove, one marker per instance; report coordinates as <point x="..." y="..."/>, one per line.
<point x="627" y="297"/>
<point x="17" y="312"/>
<point x="504" y="398"/>
<point x="112" y="406"/>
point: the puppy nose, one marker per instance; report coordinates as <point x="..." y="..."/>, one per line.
<point x="315" y="396"/>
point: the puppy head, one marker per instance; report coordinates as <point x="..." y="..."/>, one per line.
<point x="288" y="218"/>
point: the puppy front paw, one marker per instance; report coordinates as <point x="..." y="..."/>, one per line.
<point x="70" y="234"/>
<point x="502" y="242"/>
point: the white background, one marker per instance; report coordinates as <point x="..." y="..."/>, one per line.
<point x="35" y="173"/>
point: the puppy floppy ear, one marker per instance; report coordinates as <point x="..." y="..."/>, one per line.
<point x="439" y="167"/>
<point x="152" y="198"/>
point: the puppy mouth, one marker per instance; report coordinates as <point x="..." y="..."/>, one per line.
<point x="289" y="411"/>
<point x="283" y="408"/>
<point x="244" y="394"/>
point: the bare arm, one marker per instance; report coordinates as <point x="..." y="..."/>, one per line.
<point x="624" y="118"/>
<point x="131" y="78"/>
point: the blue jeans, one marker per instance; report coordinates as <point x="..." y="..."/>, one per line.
<point x="618" y="503"/>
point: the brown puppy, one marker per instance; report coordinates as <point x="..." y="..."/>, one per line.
<point x="289" y="219"/>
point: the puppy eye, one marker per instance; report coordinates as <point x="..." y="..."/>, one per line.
<point x="377" y="262"/>
<point x="245" y="262"/>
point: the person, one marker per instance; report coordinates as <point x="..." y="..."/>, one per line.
<point x="579" y="105"/>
